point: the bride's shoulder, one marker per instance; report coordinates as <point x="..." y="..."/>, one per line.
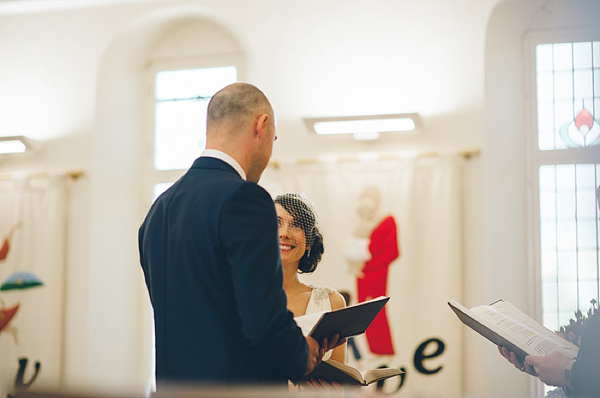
<point x="327" y="293"/>
<point x="337" y="300"/>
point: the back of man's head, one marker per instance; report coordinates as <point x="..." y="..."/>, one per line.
<point x="236" y="105"/>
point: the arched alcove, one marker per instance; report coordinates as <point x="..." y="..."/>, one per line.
<point x="119" y="318"/>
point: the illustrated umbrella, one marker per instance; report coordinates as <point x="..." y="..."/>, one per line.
<point x="21" y="280"/>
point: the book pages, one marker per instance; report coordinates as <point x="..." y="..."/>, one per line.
<point x="307" y="322"/>
<point x="525" y="332"/>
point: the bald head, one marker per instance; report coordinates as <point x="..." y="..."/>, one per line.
<point x="240" y="122"/>
<point x="236" y="105"/>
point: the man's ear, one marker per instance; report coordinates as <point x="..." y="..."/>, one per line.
<point x="262" y="124"/>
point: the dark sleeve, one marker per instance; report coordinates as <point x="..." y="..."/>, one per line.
<point x="586" y="369"/>
<point x="249" y="236"/>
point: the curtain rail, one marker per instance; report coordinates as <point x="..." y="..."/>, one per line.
<point x="74" y="174"/>
<point x="465" y="153"/>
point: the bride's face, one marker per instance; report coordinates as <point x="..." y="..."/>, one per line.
<point x="292" y="240"/>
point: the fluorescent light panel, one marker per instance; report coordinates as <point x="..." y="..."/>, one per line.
<point x="16" y="144"/>
<point x="364" y="126"/>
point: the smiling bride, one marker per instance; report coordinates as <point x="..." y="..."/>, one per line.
<point x="301" y="246"/>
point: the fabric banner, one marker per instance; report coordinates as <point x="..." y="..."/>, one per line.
<point x="32" y="258"/>
<point x="393" y="227"/>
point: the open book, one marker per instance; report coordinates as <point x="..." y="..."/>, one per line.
<point x="349" y="321"/>
<point x="504" y="324"/>
<point x="331" y="370"/>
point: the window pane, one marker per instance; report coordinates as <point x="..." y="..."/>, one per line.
<point x="547" y="206"/>
<point x="550" y="300"/>
<point x="586" y="234"/>
<point x="179" y="134"/>
<point x="563" y="84"/>
<point x="548" y="235"/>
<point x="567" y="297"/>
<point x="549" y="268"/>
<point x="545" y="86"/>
<point x="587" y="291"/>
<point x="588" y="265"/>
<point x="586" y="176"/>
<point x="160" y="188"/>
<point x="547" y="178"/>
<point x="582" y="55"/>
<point x="565" y="177"/>
<point x="551" y="320"/>
<point x="192" y="83"/>
<point x="565" y="206"/>
<point x="586" y="204"/>
<point x="583" y="84"/>
<point x="567" y="265"/>
<point x="543" y="56"/>
<point x="562" y="56"/>
<point x="596" y="53"/>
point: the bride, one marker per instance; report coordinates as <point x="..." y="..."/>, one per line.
<point x="301" y="246"/>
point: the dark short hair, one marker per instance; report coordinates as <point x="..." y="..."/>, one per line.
<point x="300" y="211"/>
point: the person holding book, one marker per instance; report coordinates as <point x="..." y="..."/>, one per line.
<point x="209" y="251"/>
<point x="301" y="247"/>
<point x="580" y="377"/>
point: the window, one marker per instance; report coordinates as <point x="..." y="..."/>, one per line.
<point x="180" y="101"/>
<point x="180" y="113"/>
<point x="566" y="159"/>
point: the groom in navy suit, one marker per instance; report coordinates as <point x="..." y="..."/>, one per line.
<point x="210" y="254"/>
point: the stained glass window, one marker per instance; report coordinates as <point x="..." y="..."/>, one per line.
<point x="568" y="95"/>
<point x="568" y="102"/>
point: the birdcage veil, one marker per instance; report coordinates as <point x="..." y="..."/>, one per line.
<point x="305" y="216"/>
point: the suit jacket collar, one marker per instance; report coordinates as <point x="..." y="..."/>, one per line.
<point x="215" y="153"/>
<point x="206" y="162"/>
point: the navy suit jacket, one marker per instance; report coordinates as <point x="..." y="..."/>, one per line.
<point x="210" y="254"/>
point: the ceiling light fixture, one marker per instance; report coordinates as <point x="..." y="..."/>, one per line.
<point x="364" y="127"/>
<point x="17" y="144"/>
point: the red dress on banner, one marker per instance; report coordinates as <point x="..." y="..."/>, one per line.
<point x="383" y="246"/>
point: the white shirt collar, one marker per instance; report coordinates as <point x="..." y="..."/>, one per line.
<point x="215" y="153"/>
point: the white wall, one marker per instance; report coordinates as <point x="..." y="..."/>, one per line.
<point x="73" y="79"/>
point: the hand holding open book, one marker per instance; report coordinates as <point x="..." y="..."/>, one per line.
<point x="346" y="375"/>
<point x="505" y="325"/>
<point x="346" y="322"/>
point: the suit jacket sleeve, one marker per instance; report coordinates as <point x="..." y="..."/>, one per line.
<point x="249" y="236"/>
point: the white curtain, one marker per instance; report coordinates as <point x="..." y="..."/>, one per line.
<point x="424" y="196"/>
<point x="32" y="229"/>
